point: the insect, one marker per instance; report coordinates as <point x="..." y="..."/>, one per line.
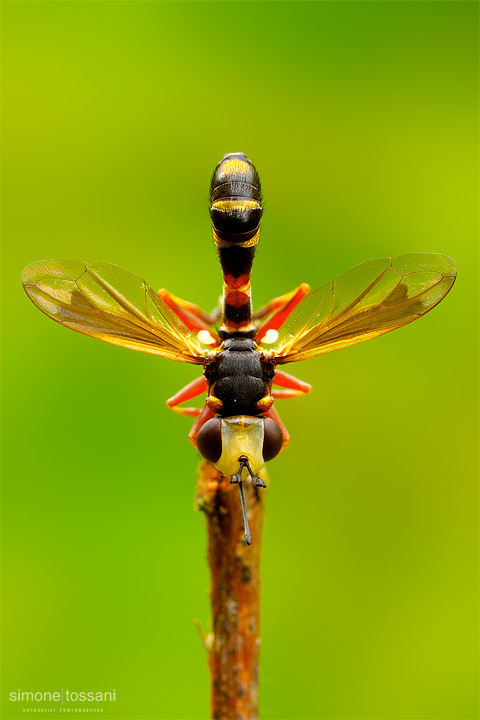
<point x="238" y="429"/>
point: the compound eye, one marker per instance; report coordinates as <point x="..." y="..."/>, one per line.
<point x="209" y="440"/>
<point x="272" y="439"/>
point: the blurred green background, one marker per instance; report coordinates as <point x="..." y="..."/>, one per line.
<point x="362" y="121"/>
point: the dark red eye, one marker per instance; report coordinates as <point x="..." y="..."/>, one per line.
<point x="209" y="440"/>
<point x="272" y="439"/>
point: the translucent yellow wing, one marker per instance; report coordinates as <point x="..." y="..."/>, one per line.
<point x="365" y="302"/>
<point x="112" y="304"/>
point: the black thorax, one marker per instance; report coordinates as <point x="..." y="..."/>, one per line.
<point x="239" y="376"/>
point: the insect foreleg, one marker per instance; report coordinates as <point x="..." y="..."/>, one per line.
<point x="193" y="389"/>
<point x="204" y="415"/>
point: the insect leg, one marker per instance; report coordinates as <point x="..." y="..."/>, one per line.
<point x="193" y="389"/>
<point x="276" y="303"/>
<point x="281" y="308"/>
<point x="204" y="415"/>
<point x="193" y="317"/>
<point x="272" y="413"/>
<point x="293" y="386"/>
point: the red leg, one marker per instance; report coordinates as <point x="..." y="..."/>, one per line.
<point x="276" y="303"/>
<point x="204" y="415"/>
<point x="294" y="386"/>
<point x="193" y="389"/>
<point x="194" y="318"/>
<point x="285" y="305"/>
<point x="285" y="394"/>
<point x="272" y="413"/>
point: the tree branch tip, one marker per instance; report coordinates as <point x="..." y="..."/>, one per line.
<point x="207" y="639"/>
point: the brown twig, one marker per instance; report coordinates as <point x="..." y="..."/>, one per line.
<point x="233" y="654"/>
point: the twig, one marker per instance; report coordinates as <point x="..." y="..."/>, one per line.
<point x="233" y="656"/>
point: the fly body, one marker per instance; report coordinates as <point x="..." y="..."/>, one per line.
<point x="241" y="351"/>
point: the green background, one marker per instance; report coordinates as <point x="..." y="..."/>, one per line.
<point x="362" y="121"/>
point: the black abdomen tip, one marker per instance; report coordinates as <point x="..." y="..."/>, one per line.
<point x="235" y="196"/>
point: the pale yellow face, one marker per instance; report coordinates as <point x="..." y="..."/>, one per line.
<point x="241" y="435"/>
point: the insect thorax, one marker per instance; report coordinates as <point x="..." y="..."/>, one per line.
<point x="239" y="376"/>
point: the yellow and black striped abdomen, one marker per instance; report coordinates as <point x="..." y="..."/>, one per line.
<point x="236" y="211"/>
<point x="235" y="198"/>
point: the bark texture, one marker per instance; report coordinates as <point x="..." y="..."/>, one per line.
<point x="234" y="646"/>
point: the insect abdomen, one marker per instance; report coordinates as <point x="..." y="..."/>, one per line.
<point x="236" y="211"/>
<point x="235" y="198"/>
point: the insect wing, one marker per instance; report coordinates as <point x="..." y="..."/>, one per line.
<point x="112" y="304"/>
<point x="367" y="301"/>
